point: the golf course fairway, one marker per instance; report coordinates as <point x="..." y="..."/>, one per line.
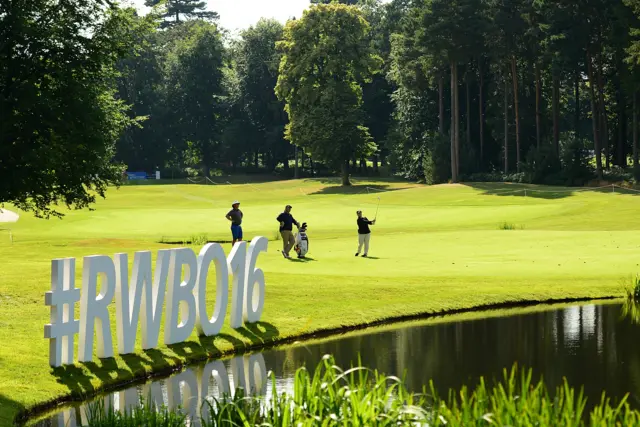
<point x="433" y="249"/>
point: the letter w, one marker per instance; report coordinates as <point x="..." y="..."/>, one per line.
<point x="129" y="301"/>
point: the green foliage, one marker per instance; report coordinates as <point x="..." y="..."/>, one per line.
<point x="149" y="415"/>
<point x="633" y="291"/>
<point x="178" y="11"/>
<point x="437" y="160"/>
<point x="359" y="396"/>
<point x="199" y="239"/>
<point x="257" y="64"/>
<point x="541" y="164"/>
<point x="60" y="115"/>
<point x="326" y="60"/>
<point x="195" y="91"/>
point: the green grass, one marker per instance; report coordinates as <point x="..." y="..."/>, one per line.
<point x="433" y="249"/>
<point x="362" y="397"/>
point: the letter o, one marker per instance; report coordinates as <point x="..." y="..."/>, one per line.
<point x="205" y="325"/>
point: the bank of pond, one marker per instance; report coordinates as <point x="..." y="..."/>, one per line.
<point x="557" y="365"/>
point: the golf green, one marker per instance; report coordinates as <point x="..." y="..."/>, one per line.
<point x="433" y="249"/>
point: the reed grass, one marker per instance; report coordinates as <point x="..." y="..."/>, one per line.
<point x="359" y="396"/>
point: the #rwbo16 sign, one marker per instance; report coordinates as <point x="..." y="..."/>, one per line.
<point x="140" y="300"/>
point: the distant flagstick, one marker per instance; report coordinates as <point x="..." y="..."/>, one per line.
<point x="377" y="208"/>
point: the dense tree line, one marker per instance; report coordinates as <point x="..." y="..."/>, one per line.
<point x="438" y="90"/>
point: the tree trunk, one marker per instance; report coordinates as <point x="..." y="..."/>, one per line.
<point x="345" y="173"/>
<point x="603" y="112"/>
<point x="311" y="166"/>
<point x="537" y="105"/>
<point x="468" y="113"/>
<point x="594" y="118"/>
<point x="454" y="167"/>
<point x="514" y="77"/>
<point x="363" y="165"/>
<point x="481" y="109"/>
<point x="556" y="114"/>
<point x="506" y="123"/>
<point x="375" y="163"/>
<point x="296" y="171"/>
<point x="457" y="116"/>
<point x="635" y="129"/>
<point x="441" y="104"/>
<point x="577" y="102"/>
<point x="255" y="160"/>
<point x="621" y="155"/>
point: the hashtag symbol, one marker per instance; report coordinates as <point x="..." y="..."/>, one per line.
<point x="62" y="299"/>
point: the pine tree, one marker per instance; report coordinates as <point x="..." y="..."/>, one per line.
<point x="182" y="10"/>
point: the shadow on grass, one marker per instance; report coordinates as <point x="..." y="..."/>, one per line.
<point x="8" y="410"/>
<point x="303" y="260"/>
<point x="537" y="192"/>
<point x="356" y="189"/>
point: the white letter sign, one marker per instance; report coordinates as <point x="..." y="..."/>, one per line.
<point x="139" y="298"/>
<point x="94" y="310"/>
<point x="181" y="304"/>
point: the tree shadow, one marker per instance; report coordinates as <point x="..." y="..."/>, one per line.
<point x="548" y="192"/>
<point x="522" y="190"/>
<point x="8" y="410"/>
<point x="356" y="189"/>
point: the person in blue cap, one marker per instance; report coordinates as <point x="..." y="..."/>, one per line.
<point x="235" y="216"/>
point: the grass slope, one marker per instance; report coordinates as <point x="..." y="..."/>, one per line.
<point x="434" y="249"/>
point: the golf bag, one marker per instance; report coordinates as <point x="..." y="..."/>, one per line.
<point x="302" y="241"/>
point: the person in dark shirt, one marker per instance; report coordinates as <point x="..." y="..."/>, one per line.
<point x="364" y="233"/>
<point x="287" y="221"/>
<point x="235" y="216"/>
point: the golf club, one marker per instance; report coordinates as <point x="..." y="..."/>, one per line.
<point x="377" y="208"/>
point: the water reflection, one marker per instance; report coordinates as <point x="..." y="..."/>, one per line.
<point x="590" y="345"/>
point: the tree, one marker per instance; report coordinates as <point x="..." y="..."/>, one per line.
<point x="60" y="119"/>
<point x="181" y="10"/>
<point x="195" y="92"/>
<point x="326" y="59"/>
<point x="257" y="64"/>
<point x="141" y="85"/>
<point x="349" y="2"/>
<point x="450" y="30"/>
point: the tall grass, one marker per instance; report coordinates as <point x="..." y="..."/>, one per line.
<point x="199" y="239"/>
<point x="362" y="397"/>
<point x="633" y="291"/>
<point x="509" y="226"/>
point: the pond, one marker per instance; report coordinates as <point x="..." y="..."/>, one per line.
<point x="591" y="345"/>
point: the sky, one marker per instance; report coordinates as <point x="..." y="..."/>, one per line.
<point x="240" y="14"/>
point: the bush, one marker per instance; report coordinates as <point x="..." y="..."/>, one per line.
<point x="437" y="160"/>
<point x="576" y="162"/>
<point x="542" y="166"/>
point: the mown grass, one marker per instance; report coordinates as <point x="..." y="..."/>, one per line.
<point x="362" y="397"/>
<point x="433" y="249"/>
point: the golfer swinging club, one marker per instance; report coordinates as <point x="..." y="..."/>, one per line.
<point x="235" y="216"/>
<point x="286" y="221"/>
<point x="364" y="234"/>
